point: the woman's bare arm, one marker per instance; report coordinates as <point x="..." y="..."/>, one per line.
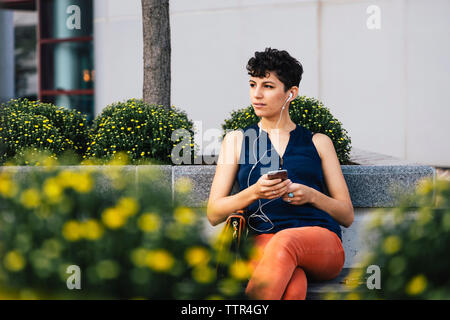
<point x="220" y="203"/>
<point x="339" y="205"/>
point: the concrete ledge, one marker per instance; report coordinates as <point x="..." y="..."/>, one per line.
<point x="369" y="186"/>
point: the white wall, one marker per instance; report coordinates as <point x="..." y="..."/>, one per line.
<point x="387" y="86"/>
<point x="118" y="51"/>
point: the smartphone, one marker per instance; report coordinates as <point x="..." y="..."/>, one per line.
<point x="277" y="174"/>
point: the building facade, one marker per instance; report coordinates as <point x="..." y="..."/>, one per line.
<point x="65" y="50"/>
<point x="380" y="66"/>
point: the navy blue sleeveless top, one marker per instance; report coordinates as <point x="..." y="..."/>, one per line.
<point x="303" y="165"/>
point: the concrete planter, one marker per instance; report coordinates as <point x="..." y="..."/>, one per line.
<point x="372" y="184"/>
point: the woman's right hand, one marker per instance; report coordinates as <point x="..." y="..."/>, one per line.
<point x="266" y="188"/>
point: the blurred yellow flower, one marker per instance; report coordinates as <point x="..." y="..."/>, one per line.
<point x="416" y="285"/>
<point x="82" y="182"/>
<point x="107" y="269"/>
<point x="446" y="221"/>
<point x="149" y="222"/>
<point x="28" y="294"/>
<point x="30" y="198"/>
<point x="128" y="206"/>
<point x="330" y="296"/>
<point x="240" y="270"/>
<point x="50" y="162"/>
<point x="7" y="187"/>
<point x="183" y="185"/>
<point x="139" y="257"/>
<point x="197" y="255"/>
<point x="159" y="260"/>
<point x="354" y="278"/>
<point x="120" y="159"/>
<point x="425" y="214"/>
<point x="14" y="261"/>
<point x="229" y="287"/>
<point x="65" y="178"/>
<point x="425" y="186"/>
<point x="203" y="274"/>
<point x="71" y="230"/>
<point x="392" y="244"/>
<point x="185" y="215"/>
<point x="113" y="218"/>
<point x="353" y="296"/>
<point x="52" y="248"/>
<point x="52" y="190"/>
<point x="91" y="229"/>
<point x="376" y="219"/>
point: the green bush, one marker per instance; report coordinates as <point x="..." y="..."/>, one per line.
<point x="129" y="240"/>
<point x="142" y="131"/>
<point x="26" y="124"/>
<point x="307" y="112"/>
<point x="411" y="247"/>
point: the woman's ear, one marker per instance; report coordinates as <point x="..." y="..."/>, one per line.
<point x="294" y="92"/>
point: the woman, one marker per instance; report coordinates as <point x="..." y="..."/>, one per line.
<point x="296" y="224"/>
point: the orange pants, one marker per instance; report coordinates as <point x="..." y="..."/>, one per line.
<point x="286" y="257"/>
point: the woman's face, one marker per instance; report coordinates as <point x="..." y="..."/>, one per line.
<point x="267" y="95"/>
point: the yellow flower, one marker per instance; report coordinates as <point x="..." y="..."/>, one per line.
<point x="50" y="162"/>
<point x="139" y="257"/>
<point x="82" y="182"/>
<point x="417" y="285"/>
<point x="240" y="270"/>
<point x="183" y="185"/>
<point x="127" y="206"/>
<point x="392" y="244"/>
<point x="353" y="279"/>
<point x="203" y="274"/>
<point x="72" y="231"/>
<point x="353" y="296"/>
<point x="14" y="261"/>
<point x="52" y="190"/>
<point x="425" y="215"/>
<point x="65" y="178"/>
<point x="113" y="218"/>
<point x="376" y="220"/>
<point x="149" y="222"/>
<point x="91" y="229"/>
<point x="425" y="186"/>
<point x="107" y="269"/>
<point x="185" y="215"/>
<point x="196" y="255"/>
<point x="159" y="260"/>
<point x="30" y="198"/>
<point x="7" y="187"/>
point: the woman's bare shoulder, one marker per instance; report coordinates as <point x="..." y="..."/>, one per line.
<point x="322" y="142"/>
<point x="233" y="142"/>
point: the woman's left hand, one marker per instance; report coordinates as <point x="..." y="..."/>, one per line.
<point x="302" y="194"/>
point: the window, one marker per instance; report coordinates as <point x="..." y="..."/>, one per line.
<point x="65" y="45"/>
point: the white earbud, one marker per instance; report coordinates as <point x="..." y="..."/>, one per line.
<point x="290" y="96"/>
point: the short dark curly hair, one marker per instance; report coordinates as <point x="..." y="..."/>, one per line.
<point x="288" y="69"/>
